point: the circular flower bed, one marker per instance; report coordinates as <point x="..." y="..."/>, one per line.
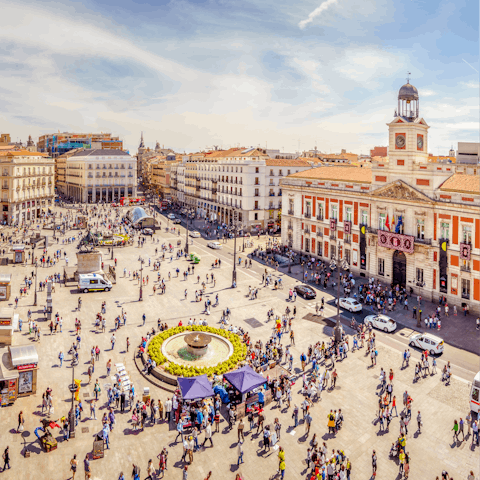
<point x="155" y="352"/>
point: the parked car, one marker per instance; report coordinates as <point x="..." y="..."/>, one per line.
<point x="171" y="216"/>
<point x="214" y="245"/>
<point x="350" y="304"/>
<point x="427" y="341"/>
<point x="382" y="322"/>
<point x="305" y="291"/>
<point x="147" y="231"/>
<point x="176" y="221"/>
<point x="194" y="234"/>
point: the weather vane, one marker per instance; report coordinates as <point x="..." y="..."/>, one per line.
<point x="408" y="77"/>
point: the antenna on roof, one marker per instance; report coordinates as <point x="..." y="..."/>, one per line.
<point x="408" y="77"/>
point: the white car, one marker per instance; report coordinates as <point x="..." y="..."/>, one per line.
<point x="427" y="341"/>
<point x="171" y="216"/>
<point x="194" y="234"/>
<point x="350" y="304"/>
<point x="214" y="245"/>
<point x="382" y="322"/>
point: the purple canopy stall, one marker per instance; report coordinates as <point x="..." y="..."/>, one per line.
<point x="195" y="387"/>
<point x="244" y="379"/>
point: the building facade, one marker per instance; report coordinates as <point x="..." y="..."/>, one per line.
<point x="56" y="144"/>
<point x="93" y="176"/>
<point x="27" y="185"/>
<point x="407" y="221"/>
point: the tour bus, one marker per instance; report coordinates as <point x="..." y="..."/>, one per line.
<point x="475" y="394"/>
<point x="92" y="282"/>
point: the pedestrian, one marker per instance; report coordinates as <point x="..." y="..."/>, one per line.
<point x="240" y="452"/>
<point x="74" y="466"/>
<point x="240" y="428"/>
<point x="6" y="459"/>
<point x="87" y="468"/>
<point x="374" y="463"/>
<point x="419" y="422"/>
<point x="455" y="430"/>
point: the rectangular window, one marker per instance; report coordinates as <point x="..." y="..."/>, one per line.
<point x="290" y="207"/>
<point x="280" y="173"/>
<point x="271" y="172"/>
<point x="288" y="172"/>
<point x="334" y="212"/>
<point x="256" y="216"/>
<point x="320" y="211"/>
<point x="257" y="170"/>
<point x="420" y="276"/>
<point x="307" y="245"/>
<point x="333" y="252"/>
<point x="382" y="217"/>
<point x="319" y="248"/>
<point x="348" y="214"/>
<point x="308" y="209"/>
<point x="347" y="256"/>
<point x="465" y="288"/>
<point x="364" y="217"/>
<point x="381" y="266"/>
<point x="445" y="230"/>
<point x="257" y="181"/>
<point x="420" y="229"/>
<point x="467" y="234"/>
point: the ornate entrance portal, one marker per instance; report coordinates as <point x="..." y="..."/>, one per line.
<point x="399" y="268"/>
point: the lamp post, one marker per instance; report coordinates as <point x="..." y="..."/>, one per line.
<point x="72" y="387"/>
<point x="243" y="237"/>
<point x="234" y="272"/>
<point x="35" y="297"/>
<point x="141" y="281"/>
<point x="340" y="265"/>
<point x="186" y="231"/>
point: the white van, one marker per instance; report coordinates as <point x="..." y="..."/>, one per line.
<point x="92" y="282"/>
<point x="475" y="394"/>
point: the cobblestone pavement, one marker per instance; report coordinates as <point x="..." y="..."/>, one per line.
<point x="357" y="385"/>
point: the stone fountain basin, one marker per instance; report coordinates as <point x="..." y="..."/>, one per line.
<point x="177" y="351"/>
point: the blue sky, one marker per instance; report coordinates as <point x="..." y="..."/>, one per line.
<point x="193" y="74"/>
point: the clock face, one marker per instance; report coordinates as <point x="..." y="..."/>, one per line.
<point x="420" y="142"/>
<point x="400" y="141"/>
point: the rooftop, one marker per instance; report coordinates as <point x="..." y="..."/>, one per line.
<point x="22" y="153"/>
<point x="459" y="182"/>
<point x="345" y="173"/>
<point x="92" y="152"/>
<point x="286" y="162"/>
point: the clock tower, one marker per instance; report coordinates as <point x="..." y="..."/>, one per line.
<point x="408" y="132"/>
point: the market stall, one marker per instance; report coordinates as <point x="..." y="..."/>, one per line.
<point x="194" y="392"/>
<point x="8" y="379"/>
<point x="18" y="253"/>
<point x="247" y="390"/>
<point x="5" y="286"/>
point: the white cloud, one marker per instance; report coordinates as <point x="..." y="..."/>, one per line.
<point x="317" y="12"/>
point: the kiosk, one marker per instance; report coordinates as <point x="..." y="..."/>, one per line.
<point x="18" y="253"/>
<point x="5" y="286"/>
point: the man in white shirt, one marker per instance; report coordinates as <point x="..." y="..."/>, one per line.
<point x="168" y="409"/>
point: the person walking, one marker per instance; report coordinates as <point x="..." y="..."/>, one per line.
<point x="208" y="435"/>
<point x="74" y="466"/>
<point x="6" y="459"/>
<point x="374" y="464"/>
<point x="87" y="468"/>
<point x="240" y="429"/>
<point x="21" y="422"/>
<point x="240" y="452"/>
<point x="419" y="422"/>
<point x="455" y="430"/>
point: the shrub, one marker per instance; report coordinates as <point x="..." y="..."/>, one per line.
<point x="238" y="355"/>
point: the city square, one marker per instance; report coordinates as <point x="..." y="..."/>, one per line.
<point x="431" y="451"/>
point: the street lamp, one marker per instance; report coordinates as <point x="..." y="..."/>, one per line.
<point x="343" y="265"/>
<point x="72" y="387"/>
<point x="141" y="281"/>
<point x="234" y="272"/>
<point x="186" y="231"/>
<point x="35" y="298"/>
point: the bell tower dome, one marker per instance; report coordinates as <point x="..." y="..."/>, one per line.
<point x="408" y="102"/>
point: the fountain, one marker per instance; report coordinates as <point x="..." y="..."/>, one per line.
<point x="197" y="343"/>
<point x="197" y="349"/>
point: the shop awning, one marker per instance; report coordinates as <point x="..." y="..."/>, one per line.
<point x="23" y="355"/>
<point x="5" y="277"/>
<point x="18" y="248"/>
<point x="244" y="379"/>
<point x="195" y="387"/>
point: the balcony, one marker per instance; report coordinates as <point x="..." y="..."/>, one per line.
<point x="347" y="240"/>
<point x="319" y="232"/>
<point x="307" y="231"/>
<point x="372" y="230"/>
<point x="466" y="295"/>
<point x="271" y="194"/>
<point x="465" y="268"/>
<point x="423" y="241"/>
<point x="291" y="212"/>
<point x="320" y="217"/>
<point x="256" y="208"/>
<point x="256" y="194"/>
<point x="308" y="215"/>
<point x="333" y="236"/>
<point x="290" y="227"/>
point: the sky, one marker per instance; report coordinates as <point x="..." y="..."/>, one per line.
<point x="276" y="74"/>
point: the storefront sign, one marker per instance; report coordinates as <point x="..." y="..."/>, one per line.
<point x="12" y="384"/>
<point x="5" y="322"/>
<point x="29" y="366"/>
<point x="465" y="250"/>
<point x="396" y="241"/>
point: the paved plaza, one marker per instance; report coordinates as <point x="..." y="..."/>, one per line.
<point x="431" y="451"/>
